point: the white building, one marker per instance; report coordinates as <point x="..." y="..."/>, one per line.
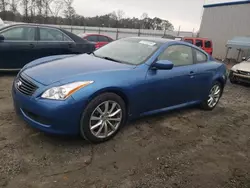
<point x="224" y="21"/>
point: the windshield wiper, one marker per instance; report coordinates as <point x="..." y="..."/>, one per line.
<point x="94" y="54"/>
<point x="108" y="58"/>
<point x="111" y="59"/>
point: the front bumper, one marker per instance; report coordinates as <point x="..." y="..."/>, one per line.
<point x="56" y="117"/>
<point x="237" y="77"/>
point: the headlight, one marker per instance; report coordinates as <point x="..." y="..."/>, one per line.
<point x="234" y="68"/>
<point x="64" y="91"/>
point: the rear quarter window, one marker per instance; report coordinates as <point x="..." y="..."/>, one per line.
<point x="200" y="56"/>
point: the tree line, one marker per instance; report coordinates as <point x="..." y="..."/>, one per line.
<point x="62" y="12"/>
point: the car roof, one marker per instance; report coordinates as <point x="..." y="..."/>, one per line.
<point x="197" y="38"/>
<point x="163" y="41"/>
<point x="154" y="39"/>
<point x="93" y="34"/>
<point x="37" y="25"/>
<point x="71" y="35"/>
<point x="90" y="34"/>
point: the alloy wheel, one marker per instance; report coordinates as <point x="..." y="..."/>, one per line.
<point x="214" y="96"/>
<point x="105" y="119"/>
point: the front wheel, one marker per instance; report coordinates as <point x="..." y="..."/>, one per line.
<point x="232" y="78"/>
<point x="102" y="118"/>
<point x="213" y="97"/>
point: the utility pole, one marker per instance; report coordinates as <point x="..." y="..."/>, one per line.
<point x="179" y="31"/>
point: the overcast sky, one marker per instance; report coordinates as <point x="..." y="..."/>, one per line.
<point x="184" y="13"/>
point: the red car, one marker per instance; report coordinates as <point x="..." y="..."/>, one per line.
<point x="99" y="40"/>
<point x="205" y="44"/>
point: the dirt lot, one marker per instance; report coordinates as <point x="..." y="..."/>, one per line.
<point x="186" y="148"/>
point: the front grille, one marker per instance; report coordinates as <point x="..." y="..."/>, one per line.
<point x="25" y="86"/>
<point x="244" y="72"/>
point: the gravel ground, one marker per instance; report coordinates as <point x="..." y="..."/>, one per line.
<point x="188" y="148"/>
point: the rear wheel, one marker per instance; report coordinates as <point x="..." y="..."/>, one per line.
<point x="102" y="118"/>
<point x="213" y="97"/>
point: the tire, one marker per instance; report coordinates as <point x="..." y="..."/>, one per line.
<point x="99" y="116"/>
<point x="205" y="104"/>
<point x="232" y="79"/>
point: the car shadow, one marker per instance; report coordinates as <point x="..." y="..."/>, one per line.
<point x="242" y="84"/>
<point x="161" y="116"/>
<point x="54" y="139"/>
<point x="76" y="140"/>
<point x="8" y="74"/>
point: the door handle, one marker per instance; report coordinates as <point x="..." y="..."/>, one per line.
<point x="70" y="45"/>
<point x="191" y="74"/>
<point x="32" y="46"/>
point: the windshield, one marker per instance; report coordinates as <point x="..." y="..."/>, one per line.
<point x="130" y="50"/>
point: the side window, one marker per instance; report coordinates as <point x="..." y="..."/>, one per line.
<point x="92" y="38"/>
<point x="201" y="57"/>
<point x="208" y="44"/>
<point x="48" y="34"/>
<point x="20" y="33"/>
<point x="179" y="54"/>
<point x="199" y="43"/>
<point x="103" y="39"/>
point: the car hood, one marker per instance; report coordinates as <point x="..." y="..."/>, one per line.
<point x="243" y="66"/>
<point x="61" y="69"/>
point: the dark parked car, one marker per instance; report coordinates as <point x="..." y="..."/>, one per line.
<point x="23" y="43"/>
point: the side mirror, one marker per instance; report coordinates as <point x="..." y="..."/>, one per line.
<point x="1" y="38"/>
<point x="244" y="58"/>
<point x="163" y="65"/>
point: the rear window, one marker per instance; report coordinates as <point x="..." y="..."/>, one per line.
<point x="103" y="39"/>
<point x="208" y="44"/>
<point x="199" y="43"/>
<point x="110" y="40"/>
<point x="189" y="41"/>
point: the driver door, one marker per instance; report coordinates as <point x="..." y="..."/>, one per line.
<point x="171" y="87"/>
<point x="18" y="47"/>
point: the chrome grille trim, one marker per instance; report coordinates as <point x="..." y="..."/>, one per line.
<point x="25" y="86"/>
<point x="244" y="72"/>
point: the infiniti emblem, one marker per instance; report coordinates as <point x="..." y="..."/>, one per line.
<point x="19" y="83"/>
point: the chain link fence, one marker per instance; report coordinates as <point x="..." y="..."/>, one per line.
<point x="117" y="33"/>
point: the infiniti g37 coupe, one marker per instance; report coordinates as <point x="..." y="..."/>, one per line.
<point x="23" y="43"/>
<point x="94" y="95"/>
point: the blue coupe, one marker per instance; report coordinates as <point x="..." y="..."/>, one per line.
<point x="94" y="95"/>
